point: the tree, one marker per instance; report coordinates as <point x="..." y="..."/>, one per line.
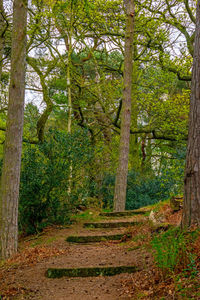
<point x="122" y="170"/>
<point x="191" y="209"/>
<point x="177" y="17"/>
<point x="9" y="189"/>
<point x="3" y="28"/>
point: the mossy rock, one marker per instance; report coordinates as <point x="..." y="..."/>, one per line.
<point x="176" y="203"/>
<point x="89" y="272"/>
<point x="96" y="238"/>
<point x="161" y="227"/>
<point x="110" y="225"/>
<point x="123" y="213"/>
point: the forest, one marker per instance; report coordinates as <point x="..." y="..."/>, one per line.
<point x="100" y="118"/>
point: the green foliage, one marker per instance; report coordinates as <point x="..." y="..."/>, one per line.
<point x="145" y="190"/>
<point x="107" y="190"/>
<point x="142" y="190"/>
<point x="5" y="78"/>
<point x="45" y="196"/>
<point x="163" y="103"/>
<point x="173" y="254"/>
<point x="31" y="116"/>
<point x="170" y="251"/>
<point x="172" y="169"/>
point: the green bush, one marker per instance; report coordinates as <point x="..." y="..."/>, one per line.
<point x="173" y="169"/>
<point x="141" y="190"/>
<point x="48" y="192"/>
<point x="107" y="190"/>
<point x="145" y="190"/>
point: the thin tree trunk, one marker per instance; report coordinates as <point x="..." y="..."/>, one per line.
<point x="9" y="190"/>
<point x="122" y="171"/>
<point x="68" y="44"/>
<point x="69" y="93"/>
<point x="191" y="209"/>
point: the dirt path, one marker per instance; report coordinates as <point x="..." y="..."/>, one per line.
<point x="25" y="278"/>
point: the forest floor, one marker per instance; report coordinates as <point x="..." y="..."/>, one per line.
<point x="23" y="276"/>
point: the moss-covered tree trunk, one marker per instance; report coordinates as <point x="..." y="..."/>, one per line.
<point x="122" y="170"/>
<point x="9" y="190"/>
<point x="191" y="208"/>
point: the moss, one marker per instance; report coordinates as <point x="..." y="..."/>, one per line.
<point x="90" y="239"/>
<point x="140" y="237"/>
<point x="87" y="216"/>
<point x="134" y="248"/>
<point x="110" y="225"/>
<point x="89" y="272"/>
<point x="176" y="203"/>
<point x="122" y="213"/>
<point x="161" y="227"/>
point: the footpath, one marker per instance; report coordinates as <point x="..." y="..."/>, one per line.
<point x="88" y="260"/>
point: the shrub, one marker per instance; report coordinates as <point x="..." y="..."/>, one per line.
<point x="49" y="192"/>
<point x="145" y="190"/>
<point x="141" y="190"/>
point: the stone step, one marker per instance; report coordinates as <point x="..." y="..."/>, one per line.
<point x="89" y="272"/>
<point x="123" y="213"/>
<point x="110" y="224"/>
<point x="96" y="238"/>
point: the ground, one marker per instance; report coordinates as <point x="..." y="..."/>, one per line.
<point x="23" y="276"/>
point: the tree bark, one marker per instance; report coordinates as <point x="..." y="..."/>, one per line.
<point x="2" y="34"/>
<point x="135" y="161"/>
<point x="9" y="189"/>
<point x="191" y="209"/>
<point x="122" y="171"/>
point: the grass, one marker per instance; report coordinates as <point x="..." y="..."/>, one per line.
<point x="140" y="237"/>
<point x="157" y="206"/>
<point x="134" y="248"/>
<point x="87" y="216"/>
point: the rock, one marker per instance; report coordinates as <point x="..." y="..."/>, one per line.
<point x="152" y="217"/>
<point x="123" y="213"/>
<point x="161" y="227"/>
<point x="89" y="272"/>
<point x="156" y="218"/>
<point x="96" y="238"/>
<point x="176" y="203"/>
<point x="110" y="224"/>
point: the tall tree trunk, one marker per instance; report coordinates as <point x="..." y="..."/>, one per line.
<point x="135" y="161"/>
<point x="191" y="209"/>
<point x="9" y="190"/>
<point x="2" y="34"/>
<point x="69" y="92"/>
<point x="68" y="44"/>
<point x="122" y="170"/>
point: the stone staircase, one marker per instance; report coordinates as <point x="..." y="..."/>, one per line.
<point x="109" y="223"/>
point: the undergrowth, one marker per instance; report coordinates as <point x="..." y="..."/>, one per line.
<point x="177" y="261"/>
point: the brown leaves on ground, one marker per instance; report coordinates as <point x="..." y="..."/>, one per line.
<point x="9" y="291"/>
<point x="171" y="217"/>
<point x="149" y="284"/>
<point x="145" y="284"/>
<point x="31" y="256"/>
<point x="27" y="257"/>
